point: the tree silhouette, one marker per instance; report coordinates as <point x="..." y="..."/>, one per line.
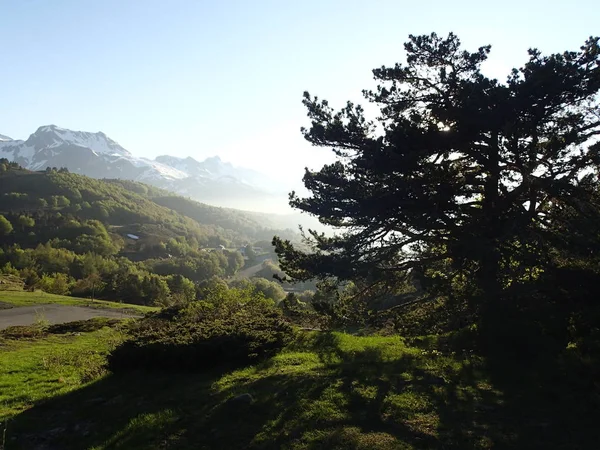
<point x="458" y="169"/>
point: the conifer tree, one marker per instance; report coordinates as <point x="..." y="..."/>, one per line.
<point x="458" y="168"/>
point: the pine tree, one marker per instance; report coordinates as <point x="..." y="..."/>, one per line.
<point x="458" y="169"/>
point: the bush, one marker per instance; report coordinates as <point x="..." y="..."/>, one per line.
<point x="270" y="289"/>
<point x="56" y="283"/>
<point x="231" y="327"/>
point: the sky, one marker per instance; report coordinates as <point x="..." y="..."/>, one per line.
<point x="201" y="78"/>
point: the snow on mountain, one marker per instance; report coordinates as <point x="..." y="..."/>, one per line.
<point x="16" y="151"/>
<point x="158" y="169"/>
<point x="188" y="165"/>
<point x="53" y="136"/>
<point x="93" y="154"/>
<point x="96" y="155"/>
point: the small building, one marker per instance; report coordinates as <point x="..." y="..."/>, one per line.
<point x="133" y="236"/>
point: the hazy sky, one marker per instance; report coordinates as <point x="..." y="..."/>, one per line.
<point x="199" y="78"/>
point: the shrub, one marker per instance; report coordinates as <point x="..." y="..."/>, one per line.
<point x="270" y="289"/>
<point x="230" y="327"/>
<point x="56" y="283"/>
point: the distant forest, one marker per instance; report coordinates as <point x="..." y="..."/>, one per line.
<point x="116" y="239"/>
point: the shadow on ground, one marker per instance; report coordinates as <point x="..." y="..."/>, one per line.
<point x="348" y="399"/>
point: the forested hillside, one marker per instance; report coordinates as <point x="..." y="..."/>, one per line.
<point x="68" y="233"/>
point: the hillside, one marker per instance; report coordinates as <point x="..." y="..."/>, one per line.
<point x="67" y="228"/>
<point x="112" y="202"/>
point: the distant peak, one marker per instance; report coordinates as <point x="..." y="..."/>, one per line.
<point x="52" y="129"/>
<point x="4" y="138"/>
<point x="48" y="128"/>
<point x="50" y="136"/>
<point x="56" y="129"/>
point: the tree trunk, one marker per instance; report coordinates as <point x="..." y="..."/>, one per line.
<point x="490" y="288"/>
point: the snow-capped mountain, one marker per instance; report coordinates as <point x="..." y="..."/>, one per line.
<point x="92" y="154"/>
<point x="98" y="156"/>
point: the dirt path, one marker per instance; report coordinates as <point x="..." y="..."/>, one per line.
<point x="26" y="315"/>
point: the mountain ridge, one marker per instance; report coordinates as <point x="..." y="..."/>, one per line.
<point x="96" y="155"/>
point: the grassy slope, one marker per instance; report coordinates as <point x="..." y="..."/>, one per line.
<point x="327" y="390"/>
<point x="22" y="298"/>
<point x="33" y="370"/>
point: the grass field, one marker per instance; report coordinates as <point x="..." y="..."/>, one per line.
<point x="326" y="390"/>
<point x="23" y="298"/>
<point x="36" y="369"/>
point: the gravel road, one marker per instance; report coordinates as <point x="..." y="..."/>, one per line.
<point x="27" y="315"/>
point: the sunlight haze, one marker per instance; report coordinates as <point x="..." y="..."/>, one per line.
<point x="201" y="78"/>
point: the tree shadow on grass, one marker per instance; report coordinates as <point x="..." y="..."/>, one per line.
<point x="360" y="398"/>
<point x="118" y="411"/>
<point x="363" y="399"/>
<point x="550" y="401"/>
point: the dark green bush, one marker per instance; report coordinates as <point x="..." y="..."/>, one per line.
<point x="230" y="327"/>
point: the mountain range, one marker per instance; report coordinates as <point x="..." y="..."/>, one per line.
<point x="211" y="181"/>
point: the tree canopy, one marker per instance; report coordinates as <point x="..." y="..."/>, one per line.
<point x="5" y="226"/>
<point x="458" y="169"/>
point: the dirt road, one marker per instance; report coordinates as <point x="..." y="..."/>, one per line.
<point x="27" y="315"/>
